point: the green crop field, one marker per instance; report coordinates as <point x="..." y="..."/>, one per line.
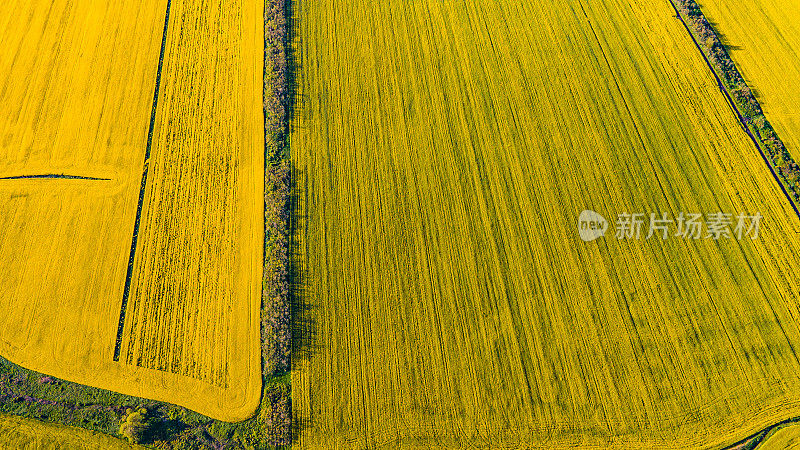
<point x="443" y="151"/>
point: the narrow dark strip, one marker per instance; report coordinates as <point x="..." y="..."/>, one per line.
<point x="742" y="120"/>
<point x="54" y="175"/>
<point x="135" y="238"/>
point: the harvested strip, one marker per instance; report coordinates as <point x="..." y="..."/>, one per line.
<point x="53" y="176"/>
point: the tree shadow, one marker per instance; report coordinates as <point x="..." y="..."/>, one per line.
<point x="304" y="327"/>
<point x="163" y="429"/>
<point x="730" y="49"/>
<point x="723" y="38"/>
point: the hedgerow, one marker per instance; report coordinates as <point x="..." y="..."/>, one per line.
<point x="276" y="317"/>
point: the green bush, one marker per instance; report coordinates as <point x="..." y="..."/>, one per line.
<point x="135" y="425"/>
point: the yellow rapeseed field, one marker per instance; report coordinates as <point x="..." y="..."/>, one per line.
<point x="22" y="434"/>
<point x="194" y="305"/>
<point x="77" y="83"/>
<point x="764" y="42"/>
<point x="443" y="151"/>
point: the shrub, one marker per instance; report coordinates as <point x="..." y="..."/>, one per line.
<point x="135" y="425"/>
<point x="279" y="416"/>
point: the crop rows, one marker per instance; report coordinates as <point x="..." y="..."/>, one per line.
<point x="443" y="152"/>
<point x="784" y="437"/>
<point x="192" y="310"/>
<point x="741" y="97"/>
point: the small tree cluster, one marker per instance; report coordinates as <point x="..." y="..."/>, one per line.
<point x="277" y="415"/>
<point x="276" y="82"/>
<point x="710" y="42"/>
<point x="135" y="425"/>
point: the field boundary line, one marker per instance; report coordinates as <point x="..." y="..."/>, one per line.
<point x="127" y="290"/>
<point x="744" y="119"/>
